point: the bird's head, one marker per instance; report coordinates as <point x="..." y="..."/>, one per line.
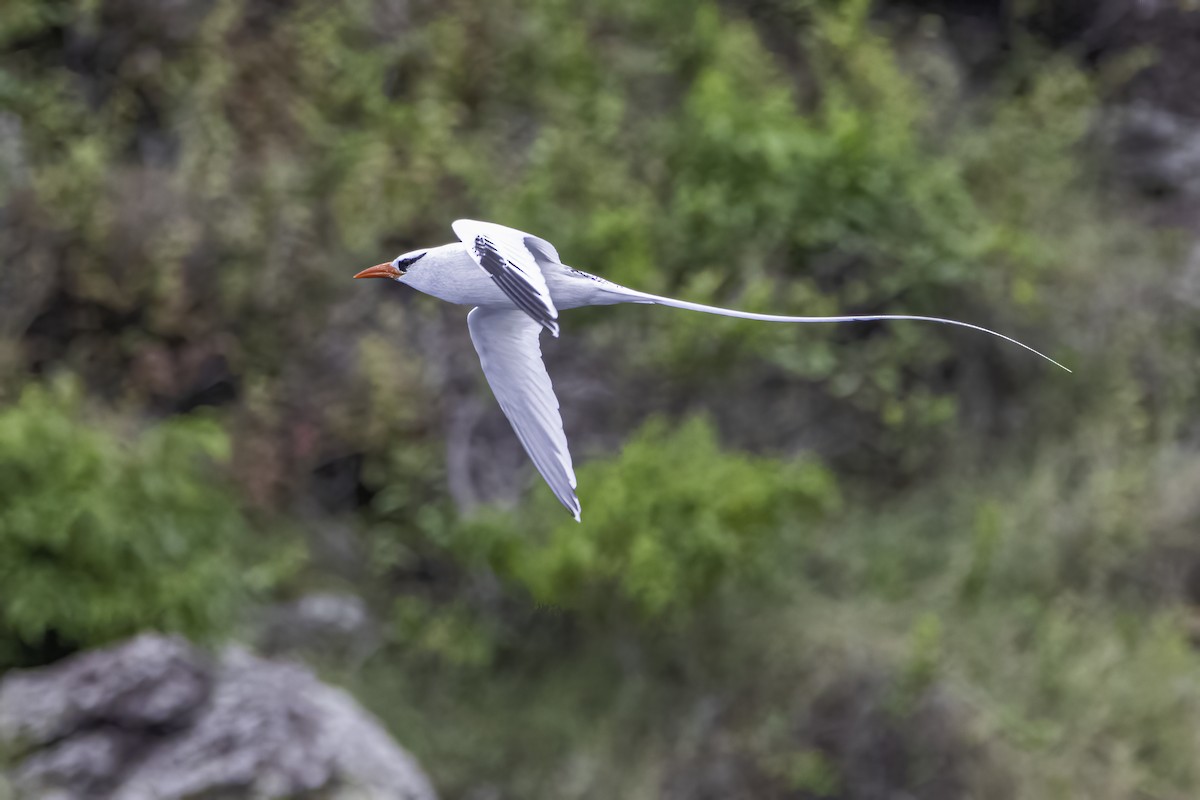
<point x="394" y="269"/>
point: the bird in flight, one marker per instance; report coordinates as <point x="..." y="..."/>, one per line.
<point x="517" y="284"/>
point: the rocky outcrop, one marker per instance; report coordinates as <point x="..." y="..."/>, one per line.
<point x="1158" y="152"/>
<point x="156" y="719"/>
<point x="319" y="626"/>
<point x="1153" y="119"/>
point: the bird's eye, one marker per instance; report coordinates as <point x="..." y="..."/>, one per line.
<point x="403" y="264"/>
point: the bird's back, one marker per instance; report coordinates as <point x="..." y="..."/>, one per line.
<point x="574" y="288"/>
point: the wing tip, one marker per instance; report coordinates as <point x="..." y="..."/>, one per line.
<point x="572" y="504"/>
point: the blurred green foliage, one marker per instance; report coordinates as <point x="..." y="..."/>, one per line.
<point x="660" y="144"/>
<point x="1002" y="635"/>
<point x="685" y="527"/>
<point x="104" y="535"/>
<point x="680" y="520"/>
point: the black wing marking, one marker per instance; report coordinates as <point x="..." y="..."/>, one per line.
<point x="512" y="282"/>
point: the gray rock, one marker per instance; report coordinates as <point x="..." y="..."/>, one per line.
<point x="147" y="682"/>
<point x="1158" y="150"/>
<point x="14" y="164"/>
<point x="157" y="719"/>
<point x="320" y="625"/>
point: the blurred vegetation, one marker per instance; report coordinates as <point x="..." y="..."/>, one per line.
<point x="846" y="561"/>
<point x="680" y="519"/>
<point x="100" y="538"/>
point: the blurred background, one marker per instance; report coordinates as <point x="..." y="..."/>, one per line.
<point x="860" y="561"/>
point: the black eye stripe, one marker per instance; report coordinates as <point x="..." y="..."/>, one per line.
<point x="404" y="263"/>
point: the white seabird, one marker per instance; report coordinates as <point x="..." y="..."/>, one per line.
<point x="518" y="284"/>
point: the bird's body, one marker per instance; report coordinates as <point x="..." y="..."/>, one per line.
<point x="517" y="284"/>
<point x="449" y="273"/>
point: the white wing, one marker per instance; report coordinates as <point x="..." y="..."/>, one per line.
<point x="512" y="258"/>
<point x="507" y="342"/>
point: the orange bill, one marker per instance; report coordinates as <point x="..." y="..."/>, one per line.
<point x="380" y="271"/>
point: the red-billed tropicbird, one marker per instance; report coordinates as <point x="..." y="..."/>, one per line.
<point x="518" y="284"/>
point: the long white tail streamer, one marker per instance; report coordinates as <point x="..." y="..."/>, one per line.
<point x="729" y="312"/>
